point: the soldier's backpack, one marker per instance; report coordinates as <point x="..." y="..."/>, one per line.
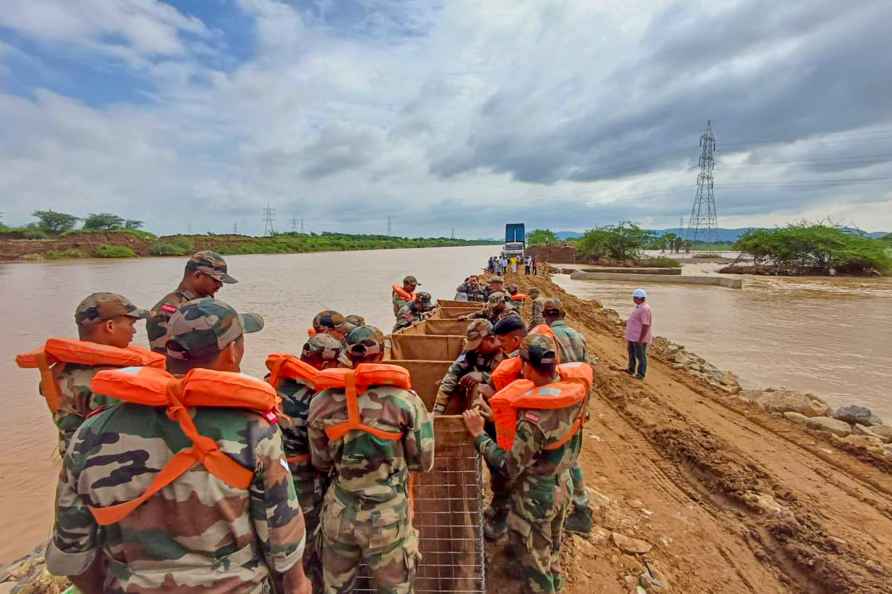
<point x="57" y="352"/>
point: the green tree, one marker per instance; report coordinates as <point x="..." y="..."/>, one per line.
<point x="541" y="237"/>
<point x="53" y="222"/>
<point x="103" y="221"/>
<point x="132" y="224"/>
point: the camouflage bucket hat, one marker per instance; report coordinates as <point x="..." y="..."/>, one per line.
<point x="202" y="328"/>
<point x="354" y="321"/>
<point x="496" y="279"/>
<point x="324" y="346"/>
<point x="496" y="298"/>
<point x="100" y="307"/>
<point x="553" y="305"/>
<point x="365" y="340"/>
<point x="211" y="264"/>
<point x="411" y="280"/>
<point x="475" y="333"/>
<point x="328" y="319"/>
<point x="538" y="350"/>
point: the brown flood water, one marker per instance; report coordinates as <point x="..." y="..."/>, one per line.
<point x="288" y="290"/>
<point x="831" y="337"/>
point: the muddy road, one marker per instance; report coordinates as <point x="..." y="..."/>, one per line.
<point x="725" y="497"/>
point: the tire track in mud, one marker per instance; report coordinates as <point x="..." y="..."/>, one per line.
<point x="737" y="491"/>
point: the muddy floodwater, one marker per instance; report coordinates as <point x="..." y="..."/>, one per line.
<point x="829" y="336"/>
<point x="38" y="301"/>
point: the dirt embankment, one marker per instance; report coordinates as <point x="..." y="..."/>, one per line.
<point x="717" y="494"/>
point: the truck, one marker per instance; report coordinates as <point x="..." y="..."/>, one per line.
<point x="515" y="240"/>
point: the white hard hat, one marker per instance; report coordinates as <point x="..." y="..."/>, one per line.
<point x="639" y="294"/>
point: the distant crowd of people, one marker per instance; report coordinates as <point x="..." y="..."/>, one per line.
<point x="501" y="265"/>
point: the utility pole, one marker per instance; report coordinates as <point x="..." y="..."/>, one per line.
<point x="703" y="220"/>
<point x="235" y="228"/>
<point x="301" y="225"/>
<point x="453" y="233"/>
<point x="389" y="225"/>
<point x="269" y="219"/>
<point x="293" y="225"/>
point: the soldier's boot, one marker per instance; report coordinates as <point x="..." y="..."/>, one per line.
<point x="495" y="525"/>
<point x="579" y="521"/>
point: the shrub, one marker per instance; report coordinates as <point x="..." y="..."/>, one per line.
<point x="64" y="254"/>
<point x="660" y="262"/>
<point x="167" y="248"/>
<point x="114" y="251"/>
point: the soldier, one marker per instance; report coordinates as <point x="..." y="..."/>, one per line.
<point x="414" y="312"/>
<point x="471" y="289"/>
<point x="481" y="353"/>
<point x="354" y="321"/>
<point x="205" y="274"/>
<point x="511" y="332"/>
<point x="191" y="531"/>
<point x="104" y="319"/>
<point x="404" y="295"/>
<point x="296" y="391"/>
<point x="546" y="443"/>
<point x="331" y="322"/>
<point x="496" y="284"/>
<point x="571" y="347"/>
<point x="536" y="317"/>
<point x="517" y="298"/>
<point x="496" y="309"/>
<point x="366" y="514"/>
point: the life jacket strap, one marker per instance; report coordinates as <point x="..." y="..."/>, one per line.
<point x="48" y="382"/>
<point x="204" y="451"/>
<point x="354" y="421"/>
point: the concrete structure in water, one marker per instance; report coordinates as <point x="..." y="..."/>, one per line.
<point x="717" y="281"/>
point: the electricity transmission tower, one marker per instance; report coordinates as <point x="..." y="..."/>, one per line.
<point x="389" y="225"/>
<point x="293" y="224"/>
<point x="269" y="219"/>
<point x="703" y="220"/>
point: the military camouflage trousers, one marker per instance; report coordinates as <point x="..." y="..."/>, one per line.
<point x="580" y="495"/>
<point x="382" y="536"/>
<point x="310" y="488"/>
<point x="535" y="529"/>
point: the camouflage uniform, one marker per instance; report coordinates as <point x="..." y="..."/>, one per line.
<point x="469" y="361"/>
<point x="571" y="347"/>
<point x="473" y="291"/>
<point x="198" y="534"/>
<point x="414" y="312"/>
<point x="309" y="484"/>
<point x="399" y="302"/>
<point x="210" y="263"/>
<point x="541" y="482"/>
<point x="77" y="399"/>
<point x="536" y="314"/>
<point x="489" y="290"/>
<point x="366" y="515"/>
<point x="489" y="312"/>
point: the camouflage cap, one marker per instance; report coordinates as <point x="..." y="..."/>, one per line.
<point x="538" y="350"/>
<point x="512" y="288"/>
<point x="411" y="280"/>
<point x="328" y="319"/>
<point x="211" y="264"/>
<point x="533" y="292"/>
<point x="552" y="304"/>
<point x="202" y="328"/>
<point x="423" y="297"/>
<point x="365" y="340"/>
<point x="496" y="279"/>
<point x="496" y="297"/>
<point x="324" y="346"/>
<point x="100" y="307"/>
<point x="354" y="321"/>
<point x="476" y="331"/>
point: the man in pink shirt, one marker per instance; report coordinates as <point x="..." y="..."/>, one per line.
<point x="638" y="334"/>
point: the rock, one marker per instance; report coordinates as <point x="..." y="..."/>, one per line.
<point x="797" y="418"/>
<point x="631" y="545"/>
<point x="832" y="425"/>
<point x="599" y="536"/>
<point x="789" y="401"/>
<point x="884" y="432"/>
<point x="652" y="579"/>
<point x="729" y="379"/>
<point x="857" y="414"/>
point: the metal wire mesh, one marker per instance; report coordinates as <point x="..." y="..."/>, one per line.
<point x="449" y="518"/>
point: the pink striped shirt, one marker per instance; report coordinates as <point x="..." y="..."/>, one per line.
<point x="640" y="316"/>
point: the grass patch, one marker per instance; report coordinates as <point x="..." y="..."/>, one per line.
<point x="64" y="254"/>
<point x="114" y="251"/>
<point x="179" y="246"/>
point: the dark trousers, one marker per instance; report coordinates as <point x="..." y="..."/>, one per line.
<point x="637" y="358"/>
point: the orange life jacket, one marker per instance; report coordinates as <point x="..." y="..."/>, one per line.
<point x="510" y="369"/>
<point x="403" y="294"/>
<point x="311" y="332"/>
<point x="519" y="297"/>
<point x="355" y="382"/>
<point x="198" y="388"/>
<point x="572" y="390"/>
<point x="57" y="352"/>
<point x="284" y="366"/>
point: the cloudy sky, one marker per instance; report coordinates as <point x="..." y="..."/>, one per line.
<point x="443" y="114"/>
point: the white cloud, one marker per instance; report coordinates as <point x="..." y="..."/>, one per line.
<point x="460" y="114"/>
